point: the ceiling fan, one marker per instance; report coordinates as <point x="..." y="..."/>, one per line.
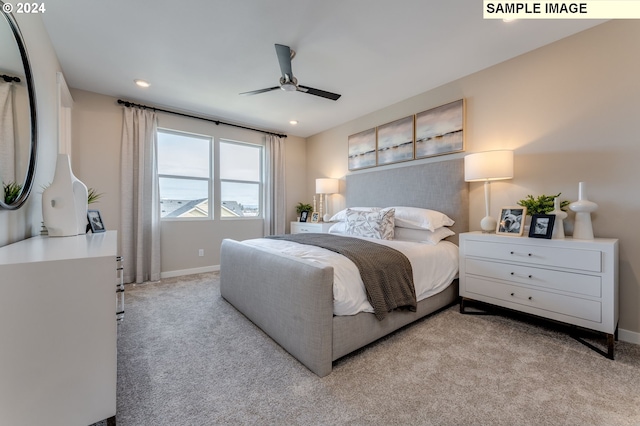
<point x="288" y="82"/>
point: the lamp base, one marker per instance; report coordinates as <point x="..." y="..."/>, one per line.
<point x="488" y="224"/>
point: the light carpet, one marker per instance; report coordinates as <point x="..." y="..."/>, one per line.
<point x="187" y="357"/>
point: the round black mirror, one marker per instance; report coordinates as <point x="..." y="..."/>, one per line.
<point x="18" y="124"/>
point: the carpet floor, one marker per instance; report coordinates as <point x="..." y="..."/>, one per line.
<point x="187" y="357"/>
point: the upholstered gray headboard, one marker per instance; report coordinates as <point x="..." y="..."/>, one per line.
<point x="437" y="186"/>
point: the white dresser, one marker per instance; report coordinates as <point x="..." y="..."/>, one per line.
<point x="306" y="227"/>
<point x="58" y="330"/>
<point x="571" y="281"/>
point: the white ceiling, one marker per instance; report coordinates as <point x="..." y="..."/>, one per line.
<point x="199" y="55"/>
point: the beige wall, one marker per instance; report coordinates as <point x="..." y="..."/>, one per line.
<point x="569" y="110"/>
<point x="97" y="128"/>
<point x="25" y="222"/>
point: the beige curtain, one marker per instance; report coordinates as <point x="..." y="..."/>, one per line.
<point x="7" y="135"/>
<point x="140" y="210"/>
<point x="275" y="201"/>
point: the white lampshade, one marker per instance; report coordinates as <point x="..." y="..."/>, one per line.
<point x="489" y="165"/>
<point x="327" y="186"/>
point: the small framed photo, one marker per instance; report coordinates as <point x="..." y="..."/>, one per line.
<point x="511" y="221"/>
<point x="315" y="217"/>
<point x="542" y="225"/>
<point x="303" y="216"/>
<point x="95" y="221"/>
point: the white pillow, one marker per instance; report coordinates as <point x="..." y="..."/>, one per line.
<point x="422" y="235"/>
<point x="417" y="218"/>
<point x="342" y="214"/>
<point x="378" y="224"/>
<point x="338" y="228"/>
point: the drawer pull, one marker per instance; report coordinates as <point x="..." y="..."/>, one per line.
<point x="513" y="252"/>
<point x="528" y="298"/>
<point x="521" y="276"/>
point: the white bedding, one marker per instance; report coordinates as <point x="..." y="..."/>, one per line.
<point x="434" y="267"/>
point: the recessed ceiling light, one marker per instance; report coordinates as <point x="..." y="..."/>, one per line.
<point x="142" y="83"/>
<point x="293" y="122"/>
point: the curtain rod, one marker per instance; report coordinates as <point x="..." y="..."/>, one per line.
<point x="216" y="122"/>
<point x="9" y="78"/>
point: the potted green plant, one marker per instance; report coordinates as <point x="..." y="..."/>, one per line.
<point x="11" y="192"/>
<point x="542" y="204"/>
<point x="302" y="207"/>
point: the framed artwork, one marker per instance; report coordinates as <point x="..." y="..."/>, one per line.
<point x="95" y="221"/>
<point x="395" y="141"/>
<point x="440" y="130"/>
<point x="303" y="216"/>
<point x="542" y="226"/>
<point x="315" y="217"/>
<point x="362" y="149"/>
<point x="511" y="221"/>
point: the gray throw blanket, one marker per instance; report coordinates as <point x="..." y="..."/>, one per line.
<point x="386" y="273"/>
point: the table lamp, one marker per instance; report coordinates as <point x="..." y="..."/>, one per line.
<point x="485" y="167"/>
<point x="325" y="186"/>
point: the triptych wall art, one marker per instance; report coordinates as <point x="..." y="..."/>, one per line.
<point x="437" y="131"/>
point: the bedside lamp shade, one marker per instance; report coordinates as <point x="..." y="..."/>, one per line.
<point x="490" y="165"/>
<point x="485" y="167"/>
<point x="327" y="186"/>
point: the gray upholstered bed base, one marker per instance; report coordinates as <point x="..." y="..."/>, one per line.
<point x="291" y="299"/>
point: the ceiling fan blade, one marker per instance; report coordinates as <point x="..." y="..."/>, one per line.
<point x="284" y="58"/>
<point x="255" y="92"/>
<point x="318" y="92"/>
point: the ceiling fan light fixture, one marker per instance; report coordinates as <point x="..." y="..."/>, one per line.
<point x="288" y="87"/>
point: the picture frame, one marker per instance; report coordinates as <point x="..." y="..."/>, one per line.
<point x="395" y="141"/>
<point x="511" y="221"/>
<point x="542" y="226"/>
<point x="362" y="149"/>
<point x="315" y="217"/>
<point x="440" y="130"/>
<point x="303" y="216"/>
<point x="95" y="221"/>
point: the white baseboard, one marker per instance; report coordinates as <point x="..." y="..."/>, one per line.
<point x="629" y="336"/>
<point x="182" y="272"/>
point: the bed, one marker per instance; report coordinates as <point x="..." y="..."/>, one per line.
<point x="291" y="299"/>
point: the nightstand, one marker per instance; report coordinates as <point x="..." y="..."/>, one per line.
<point x="570" y="281"/>
<point x="307" y="227"/>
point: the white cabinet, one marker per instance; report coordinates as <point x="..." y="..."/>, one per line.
<point x="58" y="330"/>
<point x="571" y="281"/>
<point x="306" y="227"/>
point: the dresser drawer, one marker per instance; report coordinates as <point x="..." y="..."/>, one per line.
<point x="586" y="260"/>
<point x="589" y="285"/>
<point x="304" y="229"/>
<point x="589" y="310"/>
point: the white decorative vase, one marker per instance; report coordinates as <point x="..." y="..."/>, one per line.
<point x="582" y="228"/>
<point x="64" y="202"/>
<point x="558" y="226"/>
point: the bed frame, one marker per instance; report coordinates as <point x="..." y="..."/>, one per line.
<point x="291" y="299"/>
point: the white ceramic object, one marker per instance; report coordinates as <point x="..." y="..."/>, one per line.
<point x="582" y="228"/>
<point x="558" y="226"/>
<point x="64" y="202"/>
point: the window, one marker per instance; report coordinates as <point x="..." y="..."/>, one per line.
<point x="184" y="174"/>
<point x="240" y="179"/>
